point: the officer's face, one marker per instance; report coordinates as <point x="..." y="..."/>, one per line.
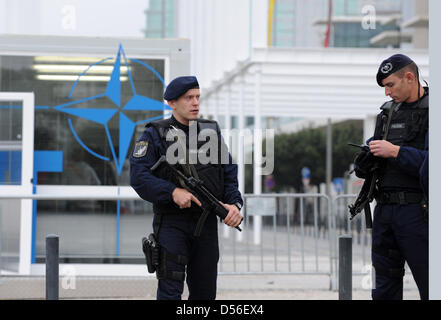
<point x="399" y="89"/>
<point x="186" y="107"/>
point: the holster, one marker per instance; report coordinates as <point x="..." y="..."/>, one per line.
<point x="152" y="250"/>
<point x="156" y="258"/>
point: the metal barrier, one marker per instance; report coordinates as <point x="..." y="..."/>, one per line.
<point x="345" y="267"/>
<point x="296" y="234"/>
<point x="361" y="237"/>
<point x="356" y="228"/>
<point x="52" y="267"/>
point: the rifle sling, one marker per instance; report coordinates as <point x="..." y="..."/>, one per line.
<point x="389" y="119"/>
<point x="369" y="197"/>
<point x="190" y="170"/>
<point x="201" y="221"/>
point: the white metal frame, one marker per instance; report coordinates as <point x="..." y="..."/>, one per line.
<point x="27" y="167"/>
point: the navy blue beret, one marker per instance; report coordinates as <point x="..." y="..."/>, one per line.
<point x="179" y="86"/>
<point x="391" y="65"/>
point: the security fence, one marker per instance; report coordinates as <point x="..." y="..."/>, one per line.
<point x="361" y="236"/>
<point x="292" y="234"/>
<point x="282" y="233"/>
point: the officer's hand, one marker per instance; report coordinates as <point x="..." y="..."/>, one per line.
<point x="233" y="218"/>
<point x="183" y="198"/>
<point x="384" y="149"/>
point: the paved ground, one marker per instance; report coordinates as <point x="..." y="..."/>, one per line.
<point x="230" y="287"/>
<point x="301" y="287"/>
<point x="282" y="250"/>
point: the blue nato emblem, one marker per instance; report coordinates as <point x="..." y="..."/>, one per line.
<point x="112" y="94"/>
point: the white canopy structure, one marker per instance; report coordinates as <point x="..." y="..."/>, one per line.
<point x="333" y="83"/>
<point x="325" y="83"/>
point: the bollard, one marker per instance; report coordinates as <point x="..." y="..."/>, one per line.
<point x="345" y="267"/>
<point x="52" y="267"/>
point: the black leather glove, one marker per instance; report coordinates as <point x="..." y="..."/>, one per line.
<point x="364" y="163"/>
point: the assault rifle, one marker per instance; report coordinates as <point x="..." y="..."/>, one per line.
<point x="369" y="166"/>
<point x="196" y="186"/>
<point x="361" y="146"/>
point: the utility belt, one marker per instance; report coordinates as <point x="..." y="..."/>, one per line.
<point x="399" y="197"/>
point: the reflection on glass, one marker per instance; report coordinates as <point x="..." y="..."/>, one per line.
<point x="91" y="150"/>
<point x="89" y="136"/>
<point x="10" y="142"/>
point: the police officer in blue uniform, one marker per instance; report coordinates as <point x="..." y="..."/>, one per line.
<point x="176" y="210"/>
<point x="424" y="174"/>
<point x="400" y="224"/>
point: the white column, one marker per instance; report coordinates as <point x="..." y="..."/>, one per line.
<point x="216" y="105"/>
<point x="368" y="127"/>
<point x="24" y="267"/>
<point x="227" y="131"/>
<point x="240" y="143"/>
<point x="368" y="131"/>
<point x="435" y="154"/>
<point x="227" y="109"/>
<point x="257" y="150"/>
<point x="259" y="23"/>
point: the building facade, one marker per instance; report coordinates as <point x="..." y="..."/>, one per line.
<point x="161" y="19"/>
<point x="91" y="99"/>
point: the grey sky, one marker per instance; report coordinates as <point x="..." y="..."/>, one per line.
<point x="105" y="18"/>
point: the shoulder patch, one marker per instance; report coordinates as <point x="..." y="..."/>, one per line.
<point x="140" y="149"/>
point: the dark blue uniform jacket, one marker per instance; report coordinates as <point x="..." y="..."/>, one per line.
<point x="410" y="160"/>
<point x="159" y="191"/>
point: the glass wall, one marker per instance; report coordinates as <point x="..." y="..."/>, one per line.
<point x="10" y="143"/>
<point x="90" y="110"/>
<point x="284" y="23"/>
<point x="293" y="22"/>
<point x="161" y="19"/>
<point x="353" y="34"/>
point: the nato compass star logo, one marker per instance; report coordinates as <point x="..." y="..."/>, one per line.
<point x="102" y="116"/>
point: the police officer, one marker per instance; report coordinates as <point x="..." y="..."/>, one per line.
<point x="424" y="175"/>
<point x="400" y="225"/>
<point x="176" y="210"/>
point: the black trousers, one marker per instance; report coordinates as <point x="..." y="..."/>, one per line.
<point x="399" y="235"/>
<point x="176" y="235"/>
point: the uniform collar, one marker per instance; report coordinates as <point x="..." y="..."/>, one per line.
<point x="177" y="124"/>
<point x="414" y="103"/>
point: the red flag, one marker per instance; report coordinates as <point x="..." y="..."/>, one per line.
<point x="328" y="30"/>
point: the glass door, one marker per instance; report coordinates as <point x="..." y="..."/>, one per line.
<point x="16" y="171"/>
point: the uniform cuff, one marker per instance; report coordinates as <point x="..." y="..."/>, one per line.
<point x="170" y="188"/>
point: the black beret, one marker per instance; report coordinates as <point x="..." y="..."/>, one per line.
<point x="179" y="86"/>
<point x="391" y="65"/>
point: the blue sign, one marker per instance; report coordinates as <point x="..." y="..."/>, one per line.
<point x="269" y="182"/>
<point x="338" y="184"/>
<point x="306" y="173"/>
<point x="112" y="95"/>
